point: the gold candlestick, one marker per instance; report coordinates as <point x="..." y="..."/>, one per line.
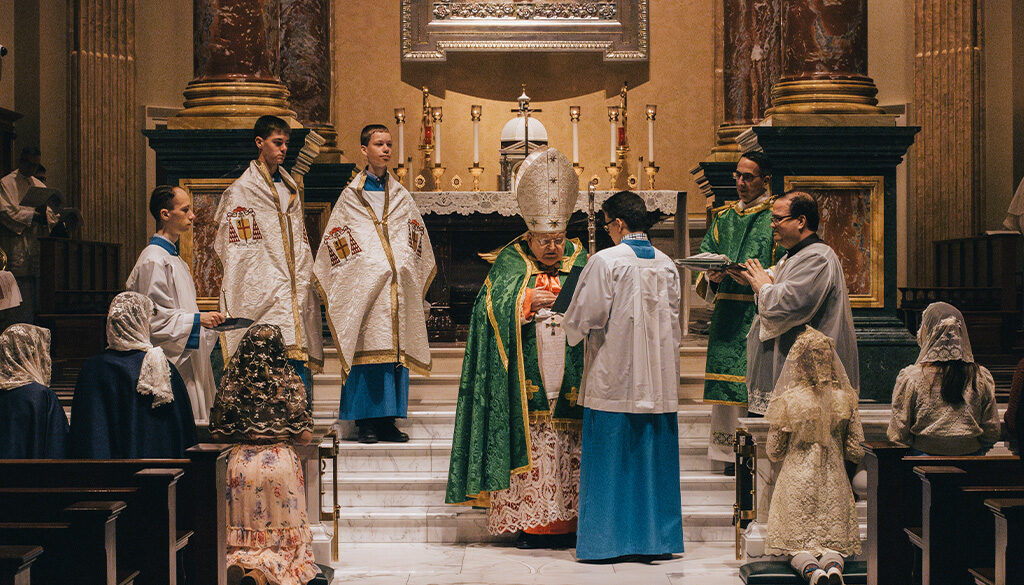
<point x="401" y="171"/>
<point x="651" y="170"/>
<point x="613" y="175"/>
<point x="476" y="170"/>
<point x="578" y="168"/>
<point x="437" y="171"/>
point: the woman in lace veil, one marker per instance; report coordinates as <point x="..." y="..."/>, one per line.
<point x="814" y="428"/>
<point x="32" y="422"/>
<point x="130" y="402"/>
<point x="261" y="405"/>
<point x="945" y="403"/>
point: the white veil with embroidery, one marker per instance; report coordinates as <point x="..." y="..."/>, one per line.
<point x="24" y="356"/>
<point x="128" y="323"/>
<point x="943" y="335"/>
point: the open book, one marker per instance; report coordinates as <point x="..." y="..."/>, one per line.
<point x="708" y="261"/>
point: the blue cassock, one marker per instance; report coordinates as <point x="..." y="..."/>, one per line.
<point x="32" y="423"/>
<point x="111" y="420"/>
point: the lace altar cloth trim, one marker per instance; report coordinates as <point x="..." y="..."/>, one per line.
<point x="504" y="202"/>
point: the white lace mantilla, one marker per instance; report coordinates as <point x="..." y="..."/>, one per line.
<point x="504" y="202"/>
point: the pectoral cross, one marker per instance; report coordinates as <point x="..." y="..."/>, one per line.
<point x="244" y="230"/>
<point x="573" y="395"/>
<point x="531" y="389"/>
<point x="550" y="324"/>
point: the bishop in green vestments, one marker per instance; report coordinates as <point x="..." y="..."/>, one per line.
<point x="741" y="230"/>
<point x="516" y="446"/>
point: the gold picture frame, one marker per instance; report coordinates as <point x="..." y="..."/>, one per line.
<point x="853" y="224"/>
<point x="196" y="245"/>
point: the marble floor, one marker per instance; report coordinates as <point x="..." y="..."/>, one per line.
<point x="502" y="564"/>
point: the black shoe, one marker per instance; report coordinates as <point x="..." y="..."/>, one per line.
<point x="367" y="434"/>
<point x="567" y="540"/>
<point x="531" y="541"/>
<point x="387" y="431"/>
<point x="730" y="470"/>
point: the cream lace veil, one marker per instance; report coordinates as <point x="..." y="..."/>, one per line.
<point x="24" y="356"/>
<point x="128" y="329"/>
<point x="813" y="394"/>
<point x="943" y="335"/>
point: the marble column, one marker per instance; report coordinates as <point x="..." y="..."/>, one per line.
<point x="103" y="160"/>
<point x="305" y="67"/>
<point x="824" y="59"/>
<point x="751" y="66"/>
<point x="235" y="63"/>
<point x="948" y="167"/>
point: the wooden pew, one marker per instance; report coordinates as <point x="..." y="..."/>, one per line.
<point x="895" y="507"/>
<point x="80" y="549"/>
<point x="197" y="495"/>
<point x="16" y="563"/>
<point x="1009" y="543"/>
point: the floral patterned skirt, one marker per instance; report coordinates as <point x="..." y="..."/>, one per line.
<point x="267" y="524"/>
<point x="549" y="492"/>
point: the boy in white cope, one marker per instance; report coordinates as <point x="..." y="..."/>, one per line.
<point x="178" y="327"/>
<point x="375" y="265"/>
<point x="806" y="287"/>
<point x="626" y="306"/>
<point x="264" y="251"/>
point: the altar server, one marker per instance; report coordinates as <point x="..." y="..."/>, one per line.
<point x="130" y="402"/>
<point x="263" y="248"/>
<point x="375" y="264"/>
<point x="178" y="327"/>
<point x="626" y="306"/>
<point x="516" y="445"/>
<point x="32" y="423"/>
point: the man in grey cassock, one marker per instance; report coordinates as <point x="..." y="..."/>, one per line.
<point x="807" y="286"/>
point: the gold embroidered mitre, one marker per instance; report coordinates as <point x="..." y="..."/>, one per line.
<point x="546" y="187"/>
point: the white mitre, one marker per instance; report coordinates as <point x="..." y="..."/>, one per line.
<point x="546" y="187"/>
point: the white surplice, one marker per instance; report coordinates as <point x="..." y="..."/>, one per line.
<point x="167" y="280"/>
<point x="20" y="239"/>
<point x="627" y="308"/>
<point x="810" y="289"/>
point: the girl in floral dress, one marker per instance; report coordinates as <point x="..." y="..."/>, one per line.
<point x="261" y="405"/>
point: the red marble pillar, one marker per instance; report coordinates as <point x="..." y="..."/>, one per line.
<point x="305" y="65"/>
<point x="235" y="63"/>
<point x="824" y="59"/>
<point x="751" y="65"/>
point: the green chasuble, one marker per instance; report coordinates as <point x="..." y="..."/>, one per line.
<point x="501" y="389"/>
<point x="740" y="235"/>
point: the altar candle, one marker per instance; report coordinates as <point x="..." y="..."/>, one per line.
<point x="613" y="117"/>
<point x="652" y="110"/>
<point x="474" y="114"/>
<point x="574" y="117"/>
<point x="400" y="122"/>
<point x="436" y="113"/>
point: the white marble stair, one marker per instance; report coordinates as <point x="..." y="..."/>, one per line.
<point x="394" y="492"/>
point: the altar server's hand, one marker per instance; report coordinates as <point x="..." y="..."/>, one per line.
<point x="716" y="276"/>
<point x="755" y="274"/>
<point x="211" y="319"/>
<point x="542" y="299"/>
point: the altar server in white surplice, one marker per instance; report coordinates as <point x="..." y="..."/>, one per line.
<point x="808" y="287"/>
<point x="268" y="267"/>
<point x="375" y="264"/>
<point x="178" y="327"/>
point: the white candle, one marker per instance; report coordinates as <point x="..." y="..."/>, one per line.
<point x="612" y="142"/>
<point x="575" y="142"/>
<point x="476" y="142"/>
<point x="437" y="143"/>
<point x="650" y="141"/>
<point x="401" y="143"/>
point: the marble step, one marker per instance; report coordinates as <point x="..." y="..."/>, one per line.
<point x="463" y="524"/>
<point x="403" y="490"/>
<point x="425" y="422"/>
<point x="432" y="456"/>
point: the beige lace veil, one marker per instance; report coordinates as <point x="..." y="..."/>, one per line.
<point x="943" y="335"/>
<point x="128" y="324"/>
<point x="813" y="394"/>
<point x="24" y="356"/>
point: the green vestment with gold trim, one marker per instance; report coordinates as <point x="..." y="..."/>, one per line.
<point x="501" y="389"/>
<point x="740" y="235"/>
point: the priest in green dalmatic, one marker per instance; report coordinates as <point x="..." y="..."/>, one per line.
<point x="741" y="230"/>
<point x="516" y="448"/>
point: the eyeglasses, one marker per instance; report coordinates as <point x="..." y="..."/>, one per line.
<point x="608" y="223"/>
<point x="545" y="242"/>
<point x="747" y="177"/>
<point x="777" y="219"/>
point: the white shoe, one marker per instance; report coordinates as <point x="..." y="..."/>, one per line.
<point x="835" y="576"/>
<point x="818" y="577"/>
